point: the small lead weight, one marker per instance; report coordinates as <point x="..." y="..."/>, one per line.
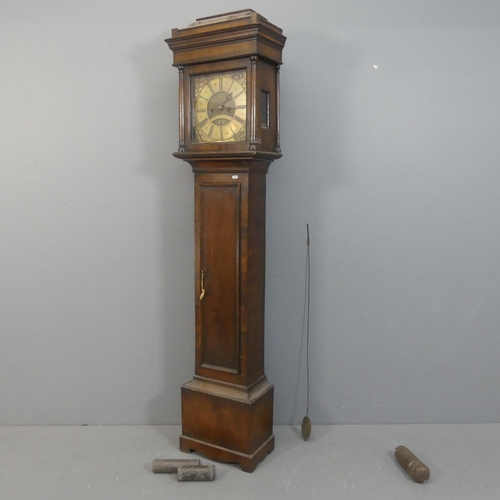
<point x="170" y="466"/>
<point x="196" y="473"/>
<point x="416" y="469"/>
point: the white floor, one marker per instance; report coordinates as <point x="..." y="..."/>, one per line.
<point x="338" y="462"/>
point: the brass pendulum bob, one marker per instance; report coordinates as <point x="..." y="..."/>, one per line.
<point x="305" y="428"/>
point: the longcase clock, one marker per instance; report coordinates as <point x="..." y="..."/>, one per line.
<point x="229" y="134"/>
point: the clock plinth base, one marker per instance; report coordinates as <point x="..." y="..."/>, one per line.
<point x="227" y="423"/>
<point x="248" y="463"/>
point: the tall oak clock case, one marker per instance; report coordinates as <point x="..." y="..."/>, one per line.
<point x="229" y="133"/>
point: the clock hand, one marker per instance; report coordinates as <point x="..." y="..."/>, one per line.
<point x="225" y="100"/>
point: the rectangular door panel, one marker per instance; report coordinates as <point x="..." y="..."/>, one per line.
<point x="220" y="264"/>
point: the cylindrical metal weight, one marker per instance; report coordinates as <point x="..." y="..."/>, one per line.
<point x="170" y="466"/>
<point x="196" y="473"/>
<point x="417" y="470"/>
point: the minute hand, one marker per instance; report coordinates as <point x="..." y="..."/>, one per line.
<point x="229" y="96"/>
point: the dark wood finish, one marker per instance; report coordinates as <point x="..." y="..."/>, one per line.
<point x="262" y="75"/>
<point x="227" y="409"/>
<point x="228" y="36"/>
<point x="233" y="41"/>
<point x="228" y="423"/>
<point x="230" y="247"/>
<point x="219" y="250"/>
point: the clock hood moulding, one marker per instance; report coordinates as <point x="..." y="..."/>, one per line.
<point x="238" y="49"/>
<point x="232" y="35"/>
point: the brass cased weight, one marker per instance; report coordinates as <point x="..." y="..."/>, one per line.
<point x="196" y="473"/>
<point x="170" y="466"/>
<point x="416" y="469"/>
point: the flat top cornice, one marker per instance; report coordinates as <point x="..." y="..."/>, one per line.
<point x="235" y="21"/>
<point x="229" y="16"/>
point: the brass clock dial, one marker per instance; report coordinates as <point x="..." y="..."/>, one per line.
<point x="219" y="104"/>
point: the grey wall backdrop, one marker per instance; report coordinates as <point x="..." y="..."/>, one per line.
<point x="390" y="134"/>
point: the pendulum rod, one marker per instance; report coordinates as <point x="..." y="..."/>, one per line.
<point x="306" y="421"/>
